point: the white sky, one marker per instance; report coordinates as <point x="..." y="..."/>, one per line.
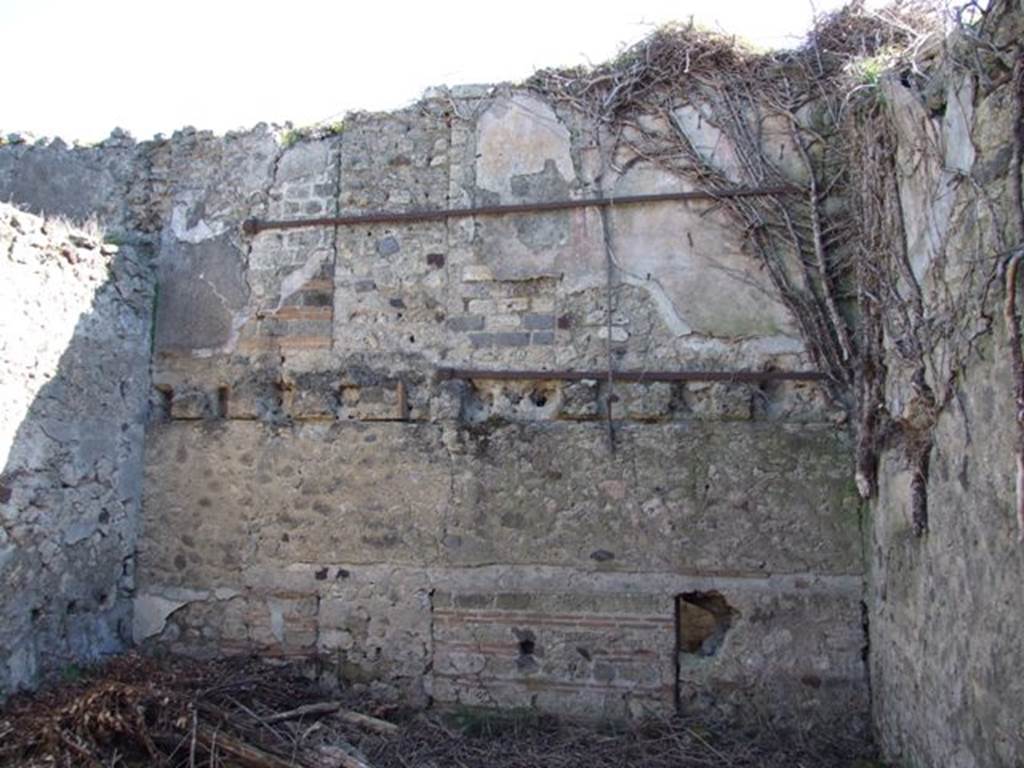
<point x="78" y="68"/>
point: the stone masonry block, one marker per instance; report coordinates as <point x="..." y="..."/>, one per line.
<point x="192" y="404"/>
<point x="477" y="273"/>
<point x="502" y="339"/>
<point x="535" y="322"/>
<point x="466" y="323"/>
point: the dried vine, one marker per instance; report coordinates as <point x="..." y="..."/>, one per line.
<point x="1012" y="283"/>
<point x="796" y="239"/>
<point x="893" y="308"/>
<point x="833" y="242"/>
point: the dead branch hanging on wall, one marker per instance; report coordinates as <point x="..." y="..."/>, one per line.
<point x="1011" y="311"/>
<point x="834" y="247"/>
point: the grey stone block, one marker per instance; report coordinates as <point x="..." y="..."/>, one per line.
<point x="501" y="339"/>
<point x="388" y="246"/>
<point x="466" y="323"/>
<point x="534" y="322"/>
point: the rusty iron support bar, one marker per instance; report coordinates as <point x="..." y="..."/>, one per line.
<point x="255" y="226"/>
<point x="633" y="376"/>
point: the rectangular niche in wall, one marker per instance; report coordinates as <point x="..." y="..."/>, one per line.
<point x="702" y="621"/>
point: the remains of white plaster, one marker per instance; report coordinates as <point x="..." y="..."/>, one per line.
<point x="152" y="611"/>
<point x="516" y="136"/>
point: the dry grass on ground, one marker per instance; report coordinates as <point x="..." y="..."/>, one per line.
<point x="137" y="711"/>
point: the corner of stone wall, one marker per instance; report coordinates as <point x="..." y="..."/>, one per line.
<point x="74" y="380"/>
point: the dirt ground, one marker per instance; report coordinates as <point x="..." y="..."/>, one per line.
<point x="139" y="711"/>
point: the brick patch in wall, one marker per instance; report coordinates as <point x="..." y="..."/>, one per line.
<point x="515" y="649"/>
<point x="304" y="321"/>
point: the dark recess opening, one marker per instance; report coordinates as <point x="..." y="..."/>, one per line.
<point x="527" y="641"/>
<point x="166" y="395"/>
<point x="223" y="395"/>
<point x="702" y="621"/>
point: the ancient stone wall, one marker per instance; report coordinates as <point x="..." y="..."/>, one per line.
<point x="315" y="486"/>
<point x="945" y="609"/>
<point x="74" y="381"/>
<point x="342" y="461"/>
<point x="318" y="481"/>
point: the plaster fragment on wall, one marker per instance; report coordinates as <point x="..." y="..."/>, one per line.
<point x="294" y="281"/>
<point x="276" y="619"/>
<point x="931" y="153"/>
<point x="195" y="233"/>
<point x="692" y="262"/>
<point x="152" y="611"/>
<point x="516" y="137"/>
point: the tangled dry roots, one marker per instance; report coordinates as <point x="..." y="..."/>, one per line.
<point x="676" y="57"/>
<point x="798" y="237"/>
<point x="830" y="233"/>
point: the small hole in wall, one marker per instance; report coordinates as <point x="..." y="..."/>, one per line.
<point x="165" y="399"/>
<point x="526" y="661"/>
<point x="526" y="640"/>
<point x="223" y="394"/>
<point x="702" y="621"/>
<point x="539" y="399"/>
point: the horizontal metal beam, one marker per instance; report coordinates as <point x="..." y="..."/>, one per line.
<point x="255" y="226"/>
<point x="632" y="376"/>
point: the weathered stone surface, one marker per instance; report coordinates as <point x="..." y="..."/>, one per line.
<point x="799" y="651"/>
<point x="605" y="644"/>
<point x="312" y="487"/>
<point x="361" y="497"/>
<point x="550" y="493"/>
<point x="518" y="136"/>
<point x="202" y="290"/>
<point x="930" y="156"/>
<point x="77" y="184"/>
<point x="74" y="384"/>
<point x="339" y="492"/>
<point x="150" y="612"/>
<point x="945" y="609"/>
<point x="522" y="495"/>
